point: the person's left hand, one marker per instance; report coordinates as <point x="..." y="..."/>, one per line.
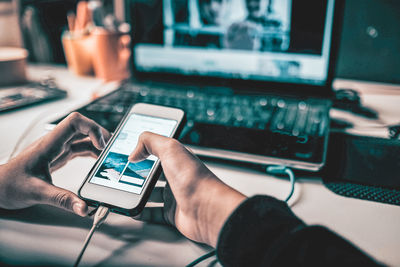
<point x="26" y="180"/>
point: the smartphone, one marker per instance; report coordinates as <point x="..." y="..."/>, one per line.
<point x="124" y="186"/>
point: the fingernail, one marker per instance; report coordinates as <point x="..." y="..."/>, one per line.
<point x="78" y="209"/>
<point x="102" y="142"/>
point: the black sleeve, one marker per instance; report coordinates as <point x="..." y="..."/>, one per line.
<point x="263" y="231"/>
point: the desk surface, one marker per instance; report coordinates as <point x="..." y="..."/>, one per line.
<point x="54" y="237"/>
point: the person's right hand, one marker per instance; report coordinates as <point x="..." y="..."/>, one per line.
<point x="200" y="203"/>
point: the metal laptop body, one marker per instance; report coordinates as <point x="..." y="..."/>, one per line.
<point x="219" y="141"/>
<point x="174" y="65"/>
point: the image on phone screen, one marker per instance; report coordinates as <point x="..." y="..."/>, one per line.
<point x="115" y="171"/>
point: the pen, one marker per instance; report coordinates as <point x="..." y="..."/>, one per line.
<point x="71" y="21"/>
<point x="82" y="16"/>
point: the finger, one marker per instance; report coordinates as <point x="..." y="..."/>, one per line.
<point x="63" y="159"/>
<point x="171" y="153"/>
<point x="169" y="205"/>
<point x="150" y="144"/>
<point x="151" y="215"/>
<point x="59" y="197"/>
<point x="106" y="134"/>
<point x="82" y="148"/>
<point x="74" y="124"/>
<point x="80" y="136"/>
<point x="77" y="136"/>
<point x="86" y="126"/>
<point x="65" y="152"/>
<point x="163" y="215"/>
<point x="140" y="152"/>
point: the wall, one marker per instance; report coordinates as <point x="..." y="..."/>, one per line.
<point x="370" y="41"/>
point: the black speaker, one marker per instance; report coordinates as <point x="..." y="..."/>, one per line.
<point x="364" y="167"/>
<point x="370" y="41"/>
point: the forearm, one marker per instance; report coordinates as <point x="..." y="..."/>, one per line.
<point x="212" y="216"/>
<point x="263" y="231"/>
<point x="6" y="191"/>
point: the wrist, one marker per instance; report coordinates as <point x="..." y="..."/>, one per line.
<point x="2" y="185"/>
<point x="220" y="201"/>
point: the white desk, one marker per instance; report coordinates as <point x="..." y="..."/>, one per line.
<point x="54" y="237"/>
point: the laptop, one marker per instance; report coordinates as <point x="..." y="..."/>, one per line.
<point x="254" y="76"/>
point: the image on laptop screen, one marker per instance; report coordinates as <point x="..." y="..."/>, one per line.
<point x="265" y="40"/>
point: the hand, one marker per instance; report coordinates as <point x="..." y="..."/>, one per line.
<point x="25" y="180"/>
<point x="200" y="203"/>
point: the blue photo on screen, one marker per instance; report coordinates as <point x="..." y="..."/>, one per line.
<point x="112" y="167"/>
<point x="135" y="173"/>
<point x="116" y="171"/>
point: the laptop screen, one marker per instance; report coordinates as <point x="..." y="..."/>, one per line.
<point x="265" y="40"/>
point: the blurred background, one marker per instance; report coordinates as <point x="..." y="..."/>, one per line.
<point x="369" y="43"/>
<point x="37" y="25"/>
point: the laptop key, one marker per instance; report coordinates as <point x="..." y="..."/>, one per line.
<point x="313" y="122"/>
<point x="277" y="123"/>
<point x="289" y="118"/>
<point x="300" y="122"/>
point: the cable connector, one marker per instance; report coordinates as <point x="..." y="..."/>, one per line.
<point x="281" y="170"/>
<point x="276" y="169"/>
<point x="99" y="218"/>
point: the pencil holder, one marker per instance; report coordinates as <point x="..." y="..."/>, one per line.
<point x="78" y="52"/>
<point x="112" y="54"/>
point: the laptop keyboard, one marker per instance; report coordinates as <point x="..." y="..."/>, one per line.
<point x="221" y="123"/>
<point x="288" y="116"/>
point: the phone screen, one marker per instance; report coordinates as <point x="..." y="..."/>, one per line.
<point x="115" y="171"/>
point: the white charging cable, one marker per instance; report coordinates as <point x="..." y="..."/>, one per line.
<point x="99" y="217"/>
<point x="280" y="169"/>
<point x="274" y="170"/>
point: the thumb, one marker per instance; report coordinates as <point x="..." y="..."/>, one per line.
<point x="58" y="197"/>
<point x="148" y="144"/>
<point x="141" y="150"/>
<point x="139" y="153"/>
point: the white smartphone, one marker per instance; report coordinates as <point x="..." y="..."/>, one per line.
<point x="123" y="186"/>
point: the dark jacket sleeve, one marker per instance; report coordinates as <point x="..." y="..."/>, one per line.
<point x="263" y="231"/>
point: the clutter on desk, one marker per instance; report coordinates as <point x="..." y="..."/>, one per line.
<point x="96" y="43"/>
<point x="12" y="65"/>
<point x="16" y="91"/>
<point x="394" y="131"/>
<point x="349" y="100"/>
<point x="30" y="93"/>
<point x="42" y="23"/>
<point x="340" y="124"/>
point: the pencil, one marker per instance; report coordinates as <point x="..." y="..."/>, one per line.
<point x="71" y="21"/>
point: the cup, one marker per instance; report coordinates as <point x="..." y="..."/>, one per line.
<point x="78" y="52"/>
<point x="12" y="65"/>
<point x="111" y="54"/>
